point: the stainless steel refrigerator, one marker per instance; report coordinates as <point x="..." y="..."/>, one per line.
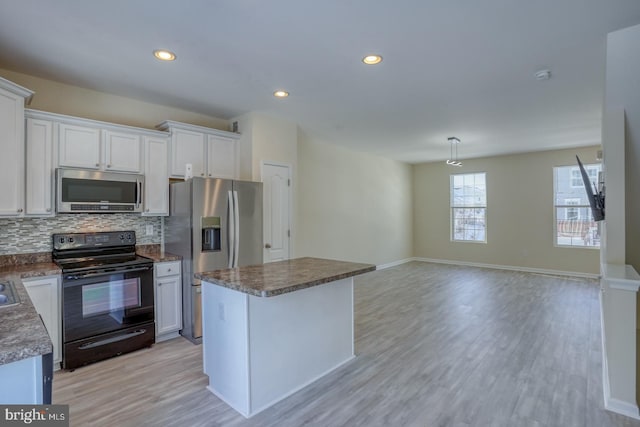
<point x="213" y="224"/>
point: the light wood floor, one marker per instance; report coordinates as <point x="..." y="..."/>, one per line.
<point x="437" y="345"/>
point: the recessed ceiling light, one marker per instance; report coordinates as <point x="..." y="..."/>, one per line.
<point x="164" y="55"/>
<point x="281" y="94"/>
<point x="372" y="59"/>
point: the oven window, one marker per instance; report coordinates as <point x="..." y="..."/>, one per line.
<point x="110" y="297"/>
<point x="95" y="191"/>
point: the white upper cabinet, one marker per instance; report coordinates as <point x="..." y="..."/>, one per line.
<point x="122" y="151"/>
<point x="221" y="157"/>
<point x="12" y="165"/>
<point x="56" y="140"/>
<point x="187" y="148"/>
<point x="40" y="167"/>
<point x="89" y="144"/>
<point x="79" y="146"/>
<point x="156" y="176"/>
<point x="211" y="152"/>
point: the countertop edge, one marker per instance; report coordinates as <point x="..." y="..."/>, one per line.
<point x="39" y="342"/>
<point x="206" y="277"/>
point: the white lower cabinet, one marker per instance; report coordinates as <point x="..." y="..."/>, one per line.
<point x="45" y="294"/>
<point x="168" y="299"/>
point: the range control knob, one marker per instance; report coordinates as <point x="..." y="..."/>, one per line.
<point x="70" y="239"/>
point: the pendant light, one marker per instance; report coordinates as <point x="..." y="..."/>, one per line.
<point x="453" y="159"/>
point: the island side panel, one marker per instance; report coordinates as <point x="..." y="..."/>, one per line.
<point x="296" y="338"/>
<point x="225" y="347"/>
<point x="21" y="382"/>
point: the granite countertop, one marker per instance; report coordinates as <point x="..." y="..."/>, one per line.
<point x="281" y="277"/>
<point x="156" y="254"/>
<point x="22" y="333"/>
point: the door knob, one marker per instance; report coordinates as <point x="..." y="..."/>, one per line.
<point x="267" y="246"/>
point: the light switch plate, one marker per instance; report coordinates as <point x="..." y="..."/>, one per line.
<point x="150" y="230"/>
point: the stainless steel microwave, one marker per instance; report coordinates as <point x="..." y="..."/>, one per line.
<point x="84" y="190"/>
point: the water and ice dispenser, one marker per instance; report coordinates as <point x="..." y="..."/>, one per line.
<point x="210" y="233"/>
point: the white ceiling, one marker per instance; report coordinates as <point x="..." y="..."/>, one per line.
<point x="460" y="68"/>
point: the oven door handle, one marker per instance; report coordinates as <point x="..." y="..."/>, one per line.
<point x="122" y="337"/>
<point x="105" y="273"/>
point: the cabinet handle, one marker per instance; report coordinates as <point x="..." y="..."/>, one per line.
<point x="267" y="246"/>
<point x="159" y="283"/>
<point x="20" y="210"/>
<point x="202" y="174"/>
<point x="108" y="166"/>
<point x="147" y="210"/>
<point x="168" y="270"/>
<point x="48" y="209"/>
<point x="97" y="165"/>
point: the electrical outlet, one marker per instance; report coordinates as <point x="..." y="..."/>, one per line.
<point x="150" y="230"/>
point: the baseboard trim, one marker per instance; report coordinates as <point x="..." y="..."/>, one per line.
<point x="510" y="268"/>
<point x="394" y="263"/>
<point x="620" y="407"/>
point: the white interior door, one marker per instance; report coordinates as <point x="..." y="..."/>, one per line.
<point x="276" y="181"/>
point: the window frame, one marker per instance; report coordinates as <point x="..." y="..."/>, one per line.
<point x="568" y="205"/>
<point x="453" y="208"/>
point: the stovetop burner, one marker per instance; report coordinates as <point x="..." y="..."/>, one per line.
<point x="74" y="252"/>
<point x="81" y="264"/>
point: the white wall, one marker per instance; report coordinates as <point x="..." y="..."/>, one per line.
<point x="623" y="91"/>
<point x="62" y="98"/>
<point x="265" y="138"/>
<point x="352" y="206"/>
<point x="621" y="141"/>
<point x="519" y="213"/>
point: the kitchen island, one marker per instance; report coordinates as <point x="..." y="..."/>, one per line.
<point x="269" y="330"/>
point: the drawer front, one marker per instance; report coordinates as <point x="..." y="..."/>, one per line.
<point x="167" y="268"/>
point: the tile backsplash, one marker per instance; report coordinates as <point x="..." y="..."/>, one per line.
<point x="25" y="235"/>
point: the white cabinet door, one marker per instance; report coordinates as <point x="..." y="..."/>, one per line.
<point x="169" y="317"/>
<point x="122" y="152"/>
<point x="156" y="176"/>
<point x="187" y="147"/>
<point x="221" y="157"/>
<point x="12" y="157"/>
<point x="168" y="291"/>
<point x="40" y="168"/>
<point x="44" y="293"/>
<point x="79" y="146"/>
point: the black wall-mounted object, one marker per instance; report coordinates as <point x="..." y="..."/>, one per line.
<point x="596" y="197"/>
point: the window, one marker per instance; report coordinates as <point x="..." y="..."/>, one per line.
<point x="572" y="213"/>
<point x="576" y="176"/>
<point x="468" y="207"/>
<point x="574" y="224"/>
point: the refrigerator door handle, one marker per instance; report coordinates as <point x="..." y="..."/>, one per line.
<point x="231" y="229"/>
<point x="236" y="233"/>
